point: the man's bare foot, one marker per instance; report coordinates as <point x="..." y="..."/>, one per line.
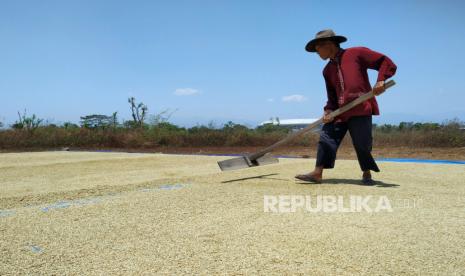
<point x="310" y="177"/>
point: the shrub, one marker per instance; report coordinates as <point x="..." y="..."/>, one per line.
<point x="448" y="134"/>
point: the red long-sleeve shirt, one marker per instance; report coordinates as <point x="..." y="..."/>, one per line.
<point x="346" y="79"/>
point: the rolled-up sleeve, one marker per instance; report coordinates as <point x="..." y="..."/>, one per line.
<point x="377" y="61"/>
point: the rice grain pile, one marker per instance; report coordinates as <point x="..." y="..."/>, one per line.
<point x="118" y="213"/>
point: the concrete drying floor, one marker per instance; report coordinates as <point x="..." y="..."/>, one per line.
<point x="117" y="213"/>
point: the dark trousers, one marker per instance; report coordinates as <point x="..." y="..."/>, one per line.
<point x="331" y="137"/>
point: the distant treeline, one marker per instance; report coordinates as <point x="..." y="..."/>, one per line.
<point x="152" y="131"/>
<point x="100" y="131"/>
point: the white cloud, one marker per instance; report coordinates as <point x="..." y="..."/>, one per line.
<point x="186" y="92"/>
<point x="270" y="100"/>
<point x="294" y="98"/>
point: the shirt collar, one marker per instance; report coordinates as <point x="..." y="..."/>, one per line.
<point x="337" y="58"/>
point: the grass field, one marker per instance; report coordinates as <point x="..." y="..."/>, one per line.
<point x="119" y="213"/>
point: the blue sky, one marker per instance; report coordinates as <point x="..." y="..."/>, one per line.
<point x="221" y="60"/>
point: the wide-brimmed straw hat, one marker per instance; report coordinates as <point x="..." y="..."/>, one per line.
<point x="324" y="35"/>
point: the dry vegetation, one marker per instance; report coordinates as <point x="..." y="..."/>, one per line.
<point x="447" y="135"/>
<point x="146" y="131"/>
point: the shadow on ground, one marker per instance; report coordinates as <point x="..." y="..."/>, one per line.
<point x="342" y="181"/>
<point x="263" y="176"/>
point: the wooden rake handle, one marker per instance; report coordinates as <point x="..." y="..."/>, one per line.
<point x="311" y="126"/>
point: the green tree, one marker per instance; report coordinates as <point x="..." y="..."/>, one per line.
<point x="230" y="127"/>
<point x="27" y="123"/>
<point x="114" y="119"/>
<point x="96" y="121"/>
<point x="69" y="125"/>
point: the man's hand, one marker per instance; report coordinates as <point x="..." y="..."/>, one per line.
<point x="379" y="88"/>
<point x="326" y="117"/>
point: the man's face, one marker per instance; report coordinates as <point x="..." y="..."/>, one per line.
<point x="324" y="49"/>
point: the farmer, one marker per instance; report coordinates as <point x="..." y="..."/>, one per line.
<point x="346" y="79"/>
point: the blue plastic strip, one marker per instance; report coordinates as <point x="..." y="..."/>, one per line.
<point x="36" y="249"/>
<point x="402" y="160"/>
<point x="6" y="213"/>
<point x="414" y="160"/>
